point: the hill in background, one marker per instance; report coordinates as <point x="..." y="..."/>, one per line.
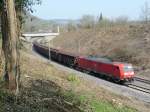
<point x="35" y="24"/>
<point x="125" y="43"/>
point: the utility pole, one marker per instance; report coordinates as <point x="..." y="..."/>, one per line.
<point x="50" y="45"/>
<point x="79" y="46"/>
<point x="58" y="29"/>
<point x="49" y="51"/>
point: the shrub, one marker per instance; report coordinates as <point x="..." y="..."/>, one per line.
<point x="123" y="54"/>
<point x="73" y="78"/>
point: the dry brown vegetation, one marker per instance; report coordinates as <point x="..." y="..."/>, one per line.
<point x="126" y="43"/>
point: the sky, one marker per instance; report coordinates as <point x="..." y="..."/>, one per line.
<point x="75" y="9"/>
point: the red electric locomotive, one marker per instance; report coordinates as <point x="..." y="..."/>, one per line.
<point x="120" y="72"/>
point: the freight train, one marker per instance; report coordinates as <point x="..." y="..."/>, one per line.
<point x="117" y="71"/>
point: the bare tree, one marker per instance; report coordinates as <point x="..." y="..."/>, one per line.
<point x="145" y="13"/>
<point x="100" y="17"/>
<point x="87" y="21"/>
<point x="71" y="26"/>
<point x="122" y="20"/>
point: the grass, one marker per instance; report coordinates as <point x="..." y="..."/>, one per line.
<point x="104" y="106"/>
<point x="90" y="103"/>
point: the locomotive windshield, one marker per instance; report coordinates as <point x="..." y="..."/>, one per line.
<point x="128" y="68"/>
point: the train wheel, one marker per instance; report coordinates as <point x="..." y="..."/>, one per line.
<point x="122" y="82"/>
<point x="79" y="69"/>
<point x="108" y="78"/>
<point x="117" y="81"/>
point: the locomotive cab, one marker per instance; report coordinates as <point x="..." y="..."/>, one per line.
<point x="128" y="72"/>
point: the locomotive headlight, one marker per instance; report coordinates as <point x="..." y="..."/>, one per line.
<point x="129" y="67"/>
<point x="126" y="74"/>
<point x="132" y="73"/>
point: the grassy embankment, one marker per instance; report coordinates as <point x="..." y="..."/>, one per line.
<point x="45" y="88"/>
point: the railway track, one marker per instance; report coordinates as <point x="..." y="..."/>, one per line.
<point x="140" y="85"/>
<point x="142" y="80"/>
<point x="139" y="88"/>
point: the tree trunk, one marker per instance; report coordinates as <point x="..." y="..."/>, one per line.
<point x="10" y="45"/>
